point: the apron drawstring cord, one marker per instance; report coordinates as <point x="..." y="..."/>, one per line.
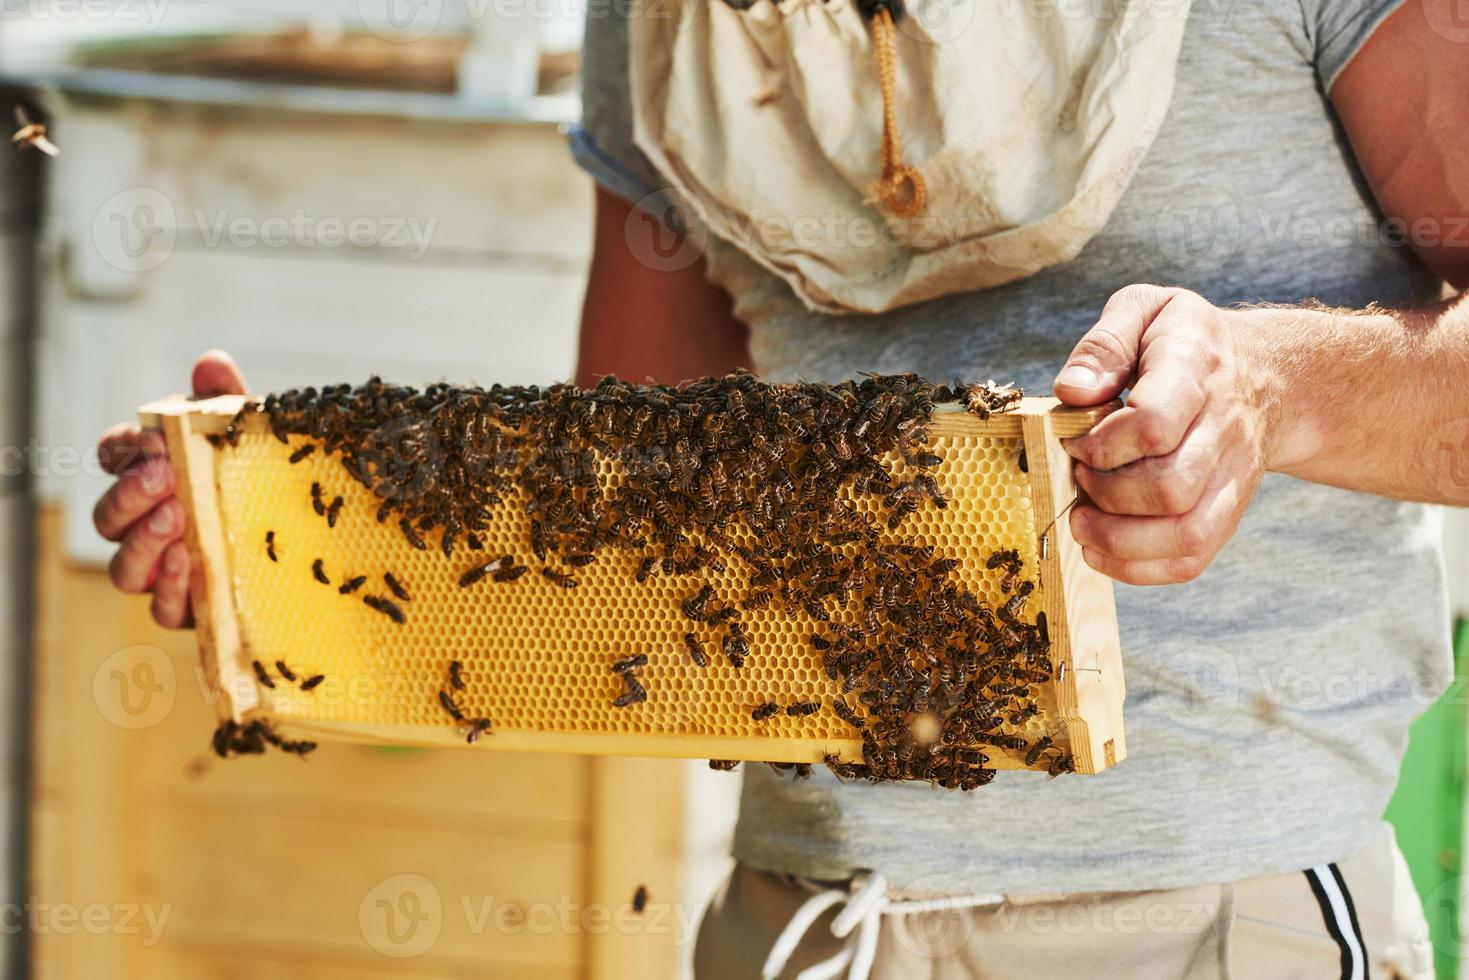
<point x="901" y="188"/>
<point x="859" y="923"/>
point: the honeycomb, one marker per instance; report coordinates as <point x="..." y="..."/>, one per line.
<point x="536" y="657"/>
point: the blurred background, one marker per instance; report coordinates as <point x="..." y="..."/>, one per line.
<point x="376" y="186"/>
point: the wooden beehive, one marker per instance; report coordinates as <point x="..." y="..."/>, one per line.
<point x="537" y="656"/>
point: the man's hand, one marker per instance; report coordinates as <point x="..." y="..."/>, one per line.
<point x="139" y="510"/>
<point x="1171" y="473"/>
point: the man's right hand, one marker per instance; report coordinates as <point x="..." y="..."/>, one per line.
<point x="139" y="511"/>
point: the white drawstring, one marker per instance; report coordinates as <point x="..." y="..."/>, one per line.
<point x="867" y="901"/>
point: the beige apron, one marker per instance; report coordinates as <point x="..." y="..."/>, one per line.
<point x="1025" y="119"/>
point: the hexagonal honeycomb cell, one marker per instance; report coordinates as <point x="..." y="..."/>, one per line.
<point x="537" y="657"/>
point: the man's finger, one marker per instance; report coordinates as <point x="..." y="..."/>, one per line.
<point x="1161" y="486"/>
<point x="134" y="494"/>
<point x="1165" y="401"/>
<point x="1156" y="571"/>
<point x="216" y="373"/>
<point x="171" y="590"/>
<point x="124" y="447"/>
<point x="134" y="566"/>
<point x="1199" y="533"/>
<point x="1103" y="361"/>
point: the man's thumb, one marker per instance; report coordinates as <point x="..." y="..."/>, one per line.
<point x="1104" y="360"/>
<point x="216" y="373"/>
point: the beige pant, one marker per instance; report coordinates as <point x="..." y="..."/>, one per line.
<point x="1335" y="921"/>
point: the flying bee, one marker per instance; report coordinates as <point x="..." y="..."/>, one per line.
<point x="1036" y="748"/>
<point x="724" y="765"/>
<point x="456" y="675"/>
<point x="396" y="587"/>
<point x="352" y="584"/>
<point x="803" y="708"/>
<point x="764" y="711"/>
<point x="261" y="674"/>
<point x="696" y="651"/>
<point x="629" y="663"/>
<point x="560" y="578"/>
<point x="386" y="607"/>
<point x="312" y="682"/>
<point x="302" y="451"/>
<point x="477" y="728"/>
<point x="448" y="704"/>
<point x="317" y="504"/>
<point x="479" y="571"/>
<point x="270" y="545"/>
<point x="319" y="572"/>
<point x="284" y="671"/>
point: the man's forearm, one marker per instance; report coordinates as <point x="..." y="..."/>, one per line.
<point x="1372" y="400"/>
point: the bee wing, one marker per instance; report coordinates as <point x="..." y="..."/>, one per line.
<point x="22" y="117"/>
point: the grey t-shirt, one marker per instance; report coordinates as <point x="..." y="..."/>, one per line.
<point x="1268" y="701"/>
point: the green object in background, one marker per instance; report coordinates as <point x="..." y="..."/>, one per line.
<point x="1427" y="809"/>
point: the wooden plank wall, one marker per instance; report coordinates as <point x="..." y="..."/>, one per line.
<point x="317" y="869"/>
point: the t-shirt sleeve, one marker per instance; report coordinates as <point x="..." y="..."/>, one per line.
<point x="602" y="142"/>
<point x="1340" y="28"/>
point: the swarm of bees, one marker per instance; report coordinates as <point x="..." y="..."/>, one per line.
<point x="897" y="633"/>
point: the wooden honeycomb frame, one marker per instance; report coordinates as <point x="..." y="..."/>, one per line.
<point x="540" y="642"/>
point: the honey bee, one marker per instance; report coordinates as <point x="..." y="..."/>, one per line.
<point x="633" y="692"/>
<point x="693" y="606"/>
<point x="803" y="708"/>
<point x="1063" y="763"/>
<point x="284" y="671"/>
<point x="640" y="899"/>
<point x="406" y="526"/>
<point x="474" y="574"/>
<point x="448" y="704"/>
<point x="511" y="572"/>
<point x="270" y="545"/>
<point x="261" y="674"/>
<point x="319" y="572"/>
<point x="352" y="584"/>
<point x="1043" y="629"/>
<point x="332" y="511"/>
<point x="628" y="663"/>
<point x="724" y="765"/>
<point x="560" y="578"/>
<point x="845" y="713"/>
<point x="477" y="728"/>
<point x="696" y="651"/>
<point x="456" y="675"/>
<point x="386" y="607"/>
<point x="396" y="587"/>
<point x="317" y="503"/>
<point x="1037" y="747"/>
<point x="312" y="682"/>
<point x="756" y="600"/>
<point x="302" y="451"/>
<point x="645" y="567"/>
<point x="580" y="559"/>
<point x="764" y="711"/>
